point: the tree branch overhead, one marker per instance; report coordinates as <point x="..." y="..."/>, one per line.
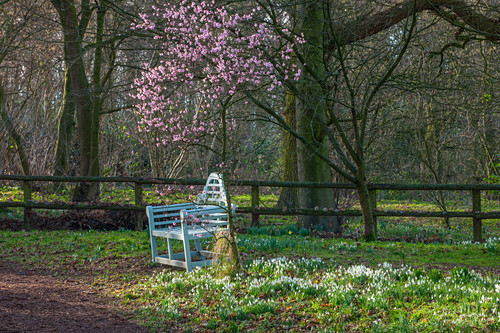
<point x="462" y="12"/>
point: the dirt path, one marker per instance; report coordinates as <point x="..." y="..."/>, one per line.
<point x="30" y="302"/>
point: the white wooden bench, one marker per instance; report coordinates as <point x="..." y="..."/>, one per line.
<point x="185" y="223"/>
<point x="189" y="222"/>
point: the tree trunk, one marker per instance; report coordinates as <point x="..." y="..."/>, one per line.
<point x="65" y="129"/>
<point x="73" y="56"/>
<point x="366" y="206"/>
<point x="14" y="136"/>
<point x="311" y="109"/>
<point x="96" y="107"/>
<point x="289" y="195"/>
<point x="233" y="242"/>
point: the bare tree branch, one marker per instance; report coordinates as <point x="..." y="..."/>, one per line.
<point x="463" y="15"/>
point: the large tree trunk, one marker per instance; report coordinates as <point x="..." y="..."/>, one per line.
<point x="65" y="129"/>
<point x="73" y="31"/>
<point x="289" y="195"/>
<point x="311" y="109"/>
<point x="96" y="108"/>
<point x="314" y="169"/>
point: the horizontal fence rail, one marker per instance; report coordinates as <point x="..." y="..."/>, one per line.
<point x="263" y="183"/>
<point x="255" y="209"/>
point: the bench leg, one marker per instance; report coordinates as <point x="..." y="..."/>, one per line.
<point x="187" y="254"/>
<point x="170" y="253"/>
<point x="154" y="251"/>
<point x="187" y="249"/>
<point x="199" y="249"/>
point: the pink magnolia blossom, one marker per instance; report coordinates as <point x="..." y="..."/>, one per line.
<point x="207" y="56"/>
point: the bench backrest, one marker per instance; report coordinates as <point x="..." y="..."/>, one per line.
<point x="202" y="214"/>
<point x="213" y="191"/>
<point x="172" y="215"/>
<point x="166" y="216"/>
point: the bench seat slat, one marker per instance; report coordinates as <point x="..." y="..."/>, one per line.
<point x="176" y="233"/>
<point x="183" y="264"/>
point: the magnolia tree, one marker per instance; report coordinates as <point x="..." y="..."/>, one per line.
<point x="206" y="63"/>
<point x="209" y="60"/>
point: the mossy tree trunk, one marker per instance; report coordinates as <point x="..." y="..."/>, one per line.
<point x="73" y="31"/>
<point x="87" y="100"/>
<point x="65" y="129"/>
<point x="289" y="195"/>
<point x="97" y="101"/>
<point x="311" y="114"/>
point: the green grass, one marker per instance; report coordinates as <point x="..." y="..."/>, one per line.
<point x="312" y="294"/>
<point x="339" y="284"/>
<point x="423" y="277"/>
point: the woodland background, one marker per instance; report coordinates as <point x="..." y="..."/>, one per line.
<point x="435" y="120"/>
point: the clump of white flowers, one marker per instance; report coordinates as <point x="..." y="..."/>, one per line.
<point x="460" y="297"/>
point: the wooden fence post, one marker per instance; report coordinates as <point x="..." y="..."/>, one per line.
<point x="255" y="205"/>
<point x="27" y="211"/>
<point x="373" y="200"/>
<point x="477" y="225"/>
<point x="139" y="215"/>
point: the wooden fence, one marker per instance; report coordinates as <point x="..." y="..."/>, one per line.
<point x="255" y="209"/>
